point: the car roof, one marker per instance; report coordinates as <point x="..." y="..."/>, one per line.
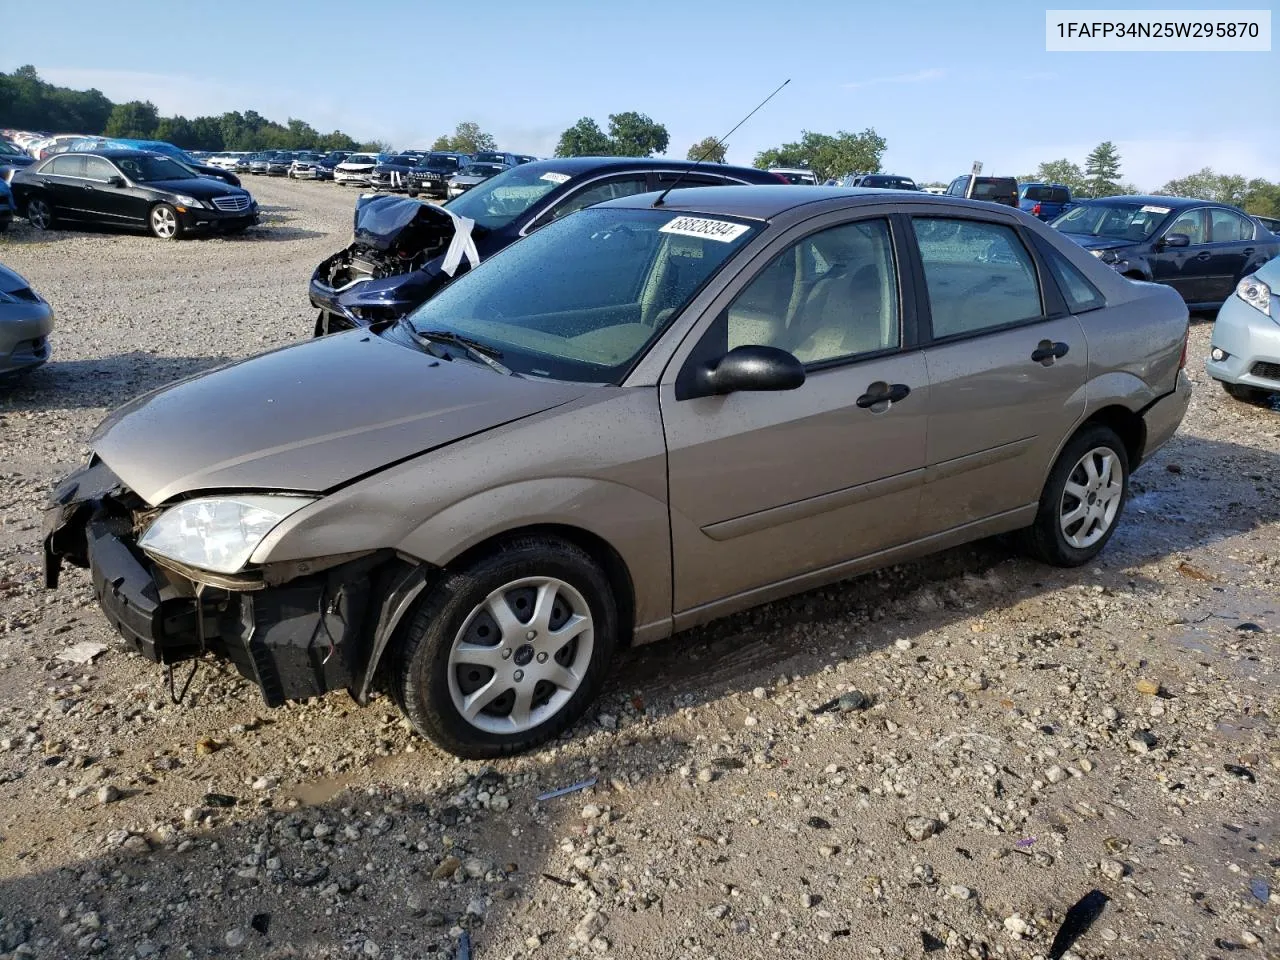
<point x="765" y="202"/>
<point x="580" y="165"/>
<point x="1173" y="203"/>
<point x="111" y="153"/>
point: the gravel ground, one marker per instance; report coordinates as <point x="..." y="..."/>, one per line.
<point x="945" y="756"/>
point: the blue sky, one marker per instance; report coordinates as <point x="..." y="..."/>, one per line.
<point x="944" y="83"/>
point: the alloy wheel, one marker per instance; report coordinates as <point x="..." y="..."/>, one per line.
<point x="164" y="223"/>
<point x="1091" y="498"/>
<point x="520" y="655"/>
<point x="39" y="214"/>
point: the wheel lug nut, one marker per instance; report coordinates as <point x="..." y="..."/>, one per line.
<point x="519" y="675"/>
<point x="542" y="658"/>
<point x="506" y="654"/>
<point x="531" y="635"/>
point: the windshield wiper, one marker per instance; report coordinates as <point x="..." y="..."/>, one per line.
<point x="473" y="348"/>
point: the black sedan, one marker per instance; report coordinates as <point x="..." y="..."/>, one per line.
<point x="398" y="258"/>
<point x="1199" y="248"/>
<point x="130" y="188"/>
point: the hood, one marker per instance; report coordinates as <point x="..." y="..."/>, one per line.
<point x="382" y="221"/>
<point x="202" y="188"/>
<point x="309" y="417"/>
<point x="1099" y="243"/>
<point x="357" y="165"/>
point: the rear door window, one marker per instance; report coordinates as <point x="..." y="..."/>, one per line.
<point x="979" y="276"/>
<point x="1226" y="226"/>
<point x="600" y="192"/>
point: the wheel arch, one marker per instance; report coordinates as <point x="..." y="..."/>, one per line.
<point x="1128" y="426"/>
<point x="595" y="546"/>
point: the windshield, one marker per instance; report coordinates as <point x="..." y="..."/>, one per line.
<point x="583" y="297"/>
<point x="150" y="168"/>
<point x="10" y="150"/>
<point x="499" y="200"/>
<point x="491" y="158"/>
<point x="439" y="163"/>
<point x="482" y="169"/>
<point x="1119" y="221"/>
<point x="361" y="158"/>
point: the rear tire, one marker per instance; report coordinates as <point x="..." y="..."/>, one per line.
<point x="40" y="213"/>
<point x="1082" y="500"/>
<point x="509" y="651"/>
<point x="1245" y="393"/>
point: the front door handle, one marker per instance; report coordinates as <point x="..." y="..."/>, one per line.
<point x="1203" y="256"/>
<point x="1048" y="351"/>
<point x="1248" y="251"/>
<point x="881" y="394"/>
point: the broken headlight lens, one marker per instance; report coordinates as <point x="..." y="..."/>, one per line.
<point x="218" y="534"/>
<point x="1255" y="293"/>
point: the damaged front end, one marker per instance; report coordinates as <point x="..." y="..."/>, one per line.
<point x="297" y="630"/>
<point x="395" y="263"/>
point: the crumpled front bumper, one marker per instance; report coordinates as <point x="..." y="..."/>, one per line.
<point x="295" y="640"/>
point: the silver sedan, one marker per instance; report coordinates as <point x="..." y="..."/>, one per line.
<point x="25" y="324"/>
<point x="1245" y="355"/>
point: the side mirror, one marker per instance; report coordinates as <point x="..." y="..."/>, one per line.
<point x="116" y="181"/>
<point x="1176" y="240"/>
<point x="751" y="367"/>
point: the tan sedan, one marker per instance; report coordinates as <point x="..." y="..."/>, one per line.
<point x="649" y="414"/>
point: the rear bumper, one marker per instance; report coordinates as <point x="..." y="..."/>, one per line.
<point x="1251" y="342"/>
<point x="1164" y="415"/>
<point x="296" y="640"/>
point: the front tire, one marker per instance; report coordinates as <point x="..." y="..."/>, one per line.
<point x="1082" y="500"/>
<point x="509" y="651"/>
<point x="40" y="213"/>
<point x="164" y="222"/>
<point x="1245" y="393"/>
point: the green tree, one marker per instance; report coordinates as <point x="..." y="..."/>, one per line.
<point x="1262" y="198"/>
<point x="1102" y="168"/>
<point x="207" y="134"/>
<point x="709" y="149"/>
<point x="1059" y="171"/>
<point x="375" y="146"/>
<point x="584" y="139"/>
<point x="633" y="134"/>
<point x="178" y="131"/>
<point x="135" y="120"/>
<point x="828" y="155"/>
<point x="467" y="137"/>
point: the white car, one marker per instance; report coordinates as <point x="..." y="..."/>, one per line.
<point x="224" y="161"/>
<point x="1245" y="354"/>
<point x="355" y="169"/>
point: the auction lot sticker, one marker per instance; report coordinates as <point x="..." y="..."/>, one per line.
<point x="704" y="227"/>
<point x="1169" y="31"/>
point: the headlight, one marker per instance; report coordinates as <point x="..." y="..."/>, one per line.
<point x="218" y="534"/>
<point x="1106" y="255"/>
<point x="1255" y="293"/>
<point x="188" y="201"/>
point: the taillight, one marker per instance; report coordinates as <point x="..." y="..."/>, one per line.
<point x="1035" y="211"/>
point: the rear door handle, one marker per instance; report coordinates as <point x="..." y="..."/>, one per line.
<point x="1248" y="251"/>
<point x="1048" y="351"/>
<point x="883" y="393"/>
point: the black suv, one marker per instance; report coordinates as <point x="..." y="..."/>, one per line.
<point x="392" y="173"/>
<point x="396" y="260"/>
<point x="992" y="189"/>
<point x="432" y="173"/>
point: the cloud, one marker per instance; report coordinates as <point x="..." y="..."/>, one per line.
<point x="920" y="76"/>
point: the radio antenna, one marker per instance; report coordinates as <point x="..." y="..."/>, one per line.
<point x="711" y="149"/>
